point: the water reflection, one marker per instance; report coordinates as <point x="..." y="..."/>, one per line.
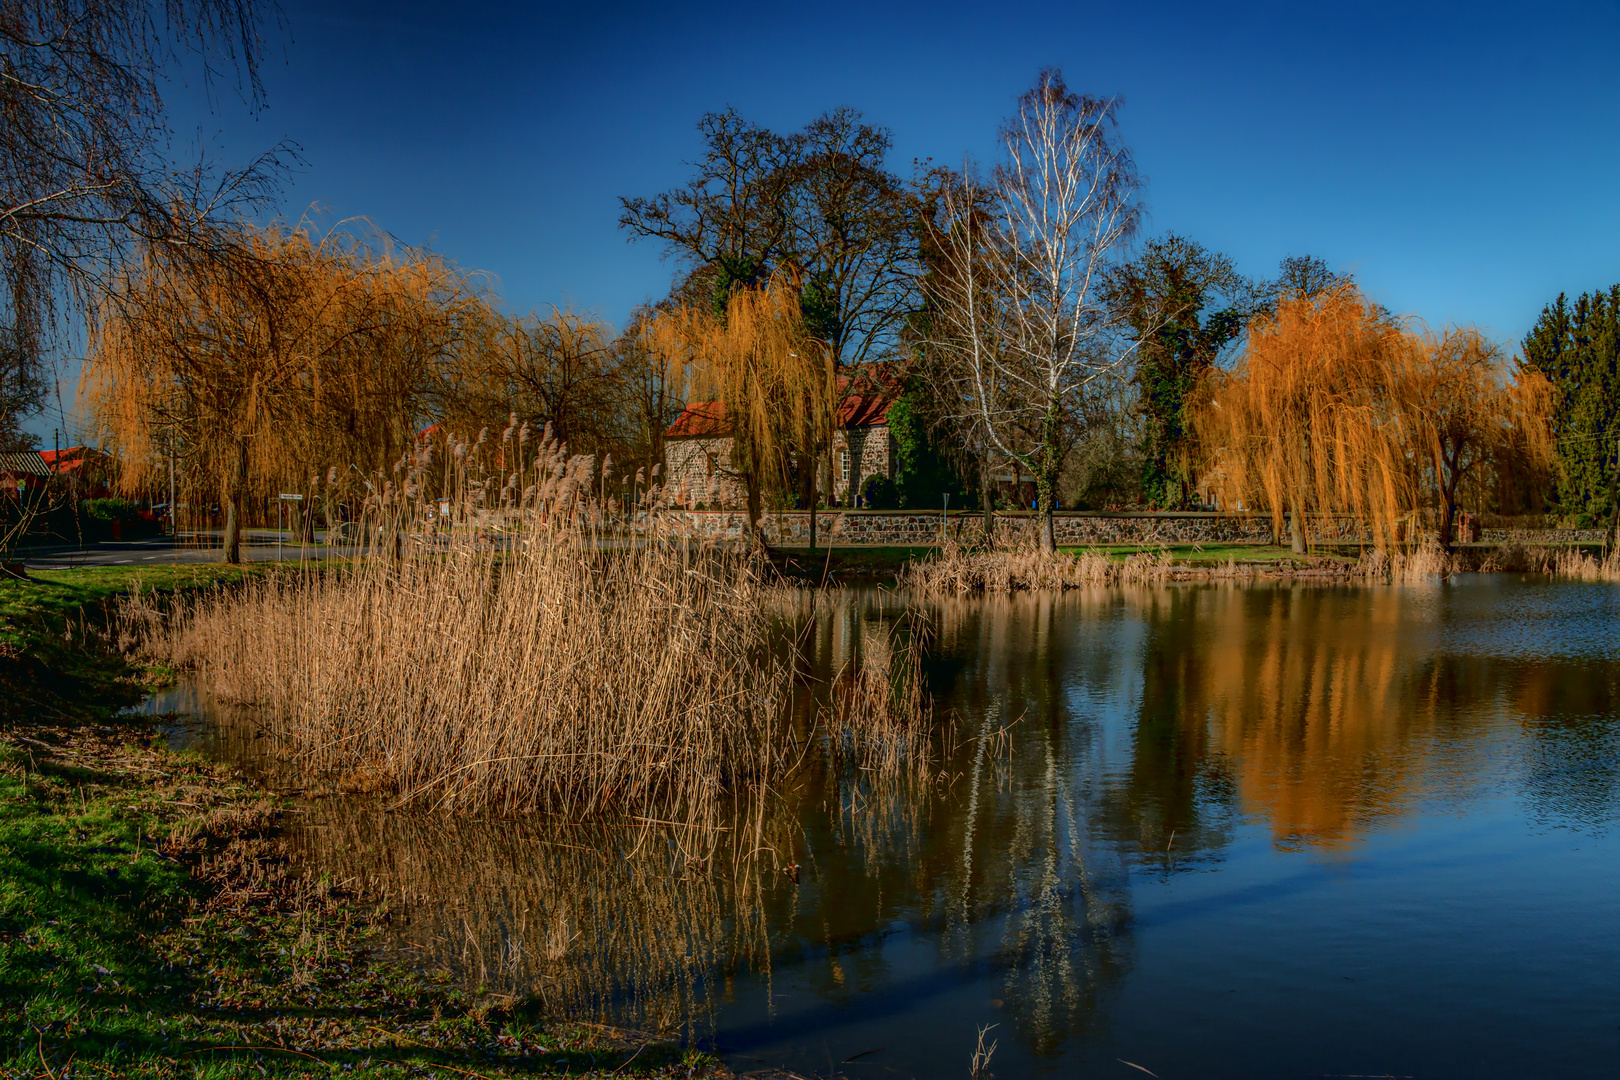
<point x="1082" y="745"/>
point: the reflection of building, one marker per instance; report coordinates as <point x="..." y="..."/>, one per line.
<point x="697" y="446"/>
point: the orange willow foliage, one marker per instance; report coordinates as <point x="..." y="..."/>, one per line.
<point x="1335" y="407"/>
<point x="777" y="384"/>
<point x="284" y="357"/>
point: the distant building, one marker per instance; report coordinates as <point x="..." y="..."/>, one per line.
<point x="21" y="472"/>
<point x="89" y="470"/>
<point x="697" y="446"/>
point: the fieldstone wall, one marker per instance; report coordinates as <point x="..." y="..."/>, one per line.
<point x="1530" y="537"/>
<point x="899" y="528"/>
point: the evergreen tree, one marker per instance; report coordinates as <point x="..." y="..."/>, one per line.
<point x="1577" y="346"/>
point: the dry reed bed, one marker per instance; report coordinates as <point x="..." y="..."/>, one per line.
<point x="1021" y="565"/>
<point x="550" y="676"/>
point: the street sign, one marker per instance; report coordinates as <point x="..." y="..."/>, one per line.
<point x="284" y="497"/>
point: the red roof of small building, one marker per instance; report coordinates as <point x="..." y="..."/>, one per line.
<point x="867" y="406"/>
<point x="71" y="458"/>
<point x="700" y="420"/>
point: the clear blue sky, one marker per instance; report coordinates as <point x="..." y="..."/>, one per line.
<point x="1461" y="160"/>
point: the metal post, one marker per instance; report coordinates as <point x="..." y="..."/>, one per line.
<point x="945" y="519"/>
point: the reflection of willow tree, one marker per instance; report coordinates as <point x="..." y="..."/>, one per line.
<point x="1311" y="697"/>
<point x="1324" y="711"/>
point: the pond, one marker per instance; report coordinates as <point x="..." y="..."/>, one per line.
<point x="1197" y="831"/>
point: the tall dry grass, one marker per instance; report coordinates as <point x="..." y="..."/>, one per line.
<point x="1564" y="562"/>
<point x="1008" y="566"/>
<point x="532" y="644"/>
<point x="519" y="654"/>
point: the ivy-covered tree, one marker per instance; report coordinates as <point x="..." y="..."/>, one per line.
<point x="1577" y="346"/>
<point x="923" y="475"/>
<point x="1185" y="304"/>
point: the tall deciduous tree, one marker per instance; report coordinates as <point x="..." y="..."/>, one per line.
<point x="291" y="358"/>
<point x="734" y="218"/>
<point x="1335" y="407"/>
<point x="1466" y="413"/>
<point x="819" y="207"/>
<point x="83" y="174"/>
<point x="1020" y="317"/>
<point x="560" y="371"/>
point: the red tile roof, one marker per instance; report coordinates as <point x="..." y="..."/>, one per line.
<point x="867" y="406"/>
<point x="700" y="420"/>
<point x="71" y="458"/>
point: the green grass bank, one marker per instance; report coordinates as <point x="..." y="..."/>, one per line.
<point x="152" y="923"/>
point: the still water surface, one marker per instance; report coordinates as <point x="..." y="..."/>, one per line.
<point x="1260" y="831"/>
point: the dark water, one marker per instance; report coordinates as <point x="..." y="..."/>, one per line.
<point x="1211" y="831"/>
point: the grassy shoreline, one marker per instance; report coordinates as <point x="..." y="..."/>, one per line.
<point x="152" y="924"/>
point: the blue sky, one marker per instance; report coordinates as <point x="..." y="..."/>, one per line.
<point x="1460" y="159"/>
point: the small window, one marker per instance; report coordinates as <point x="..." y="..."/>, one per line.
<point x="843" y="465"/>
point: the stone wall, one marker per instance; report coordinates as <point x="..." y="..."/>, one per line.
<point x="876" y="528"/>
<point x="883" y="528"/>
<point x="1530" y="537"/>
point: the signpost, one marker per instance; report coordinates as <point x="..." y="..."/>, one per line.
<point x="283" y="498"/>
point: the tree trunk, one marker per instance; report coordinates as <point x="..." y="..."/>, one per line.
<point x="1296" y="530"/>
<point x="1045" y="498"/>
<point x="1613" y="535"/>
<point x="1448" y="518"/>
<point x="987" y="498"/>
<point x="1046" y="479"/>
<point x="233" y="505"/>
<point x="755" y="511"/>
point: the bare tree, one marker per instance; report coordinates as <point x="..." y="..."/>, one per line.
<point x="1020" y="317"/>
<point x="560" y="371"/>
<point x="83" y="174"/>
<point x="733" y="218"/>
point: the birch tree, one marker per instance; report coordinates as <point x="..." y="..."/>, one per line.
<point x="1019" y="316"/>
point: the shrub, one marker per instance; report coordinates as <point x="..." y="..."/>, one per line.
<point x="878" y="493"/>
<point x="109" y="510"/>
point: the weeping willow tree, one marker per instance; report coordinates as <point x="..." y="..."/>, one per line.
<point x="292" y="357"/>
<point x="1337" y="408"/>
<point x="1468" y="416"/>
<point x="776" y="384"/>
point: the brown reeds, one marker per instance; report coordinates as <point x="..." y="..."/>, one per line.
<point x="1018" y="563"/>
<point x="518" y="653"/>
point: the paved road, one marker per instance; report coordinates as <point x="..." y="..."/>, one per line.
<point x="193" y="548"/>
